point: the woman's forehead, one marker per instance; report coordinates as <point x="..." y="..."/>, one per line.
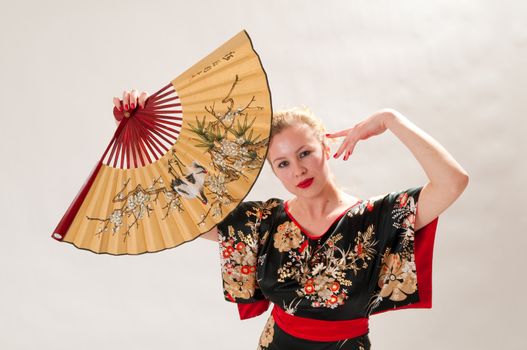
<point x="291" y="139"/>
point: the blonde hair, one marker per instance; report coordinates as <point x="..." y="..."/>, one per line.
<point x="288" y="117"/>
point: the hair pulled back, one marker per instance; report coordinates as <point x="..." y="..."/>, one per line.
<point x="289" y="117"/>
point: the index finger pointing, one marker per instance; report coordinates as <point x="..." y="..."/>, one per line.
<point x="340" y="133"/>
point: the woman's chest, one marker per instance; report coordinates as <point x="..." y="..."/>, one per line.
<point x="323" y="271"/>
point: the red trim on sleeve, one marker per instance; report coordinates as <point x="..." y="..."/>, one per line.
<point x="423" y="255"/>
<point x="424" y="251"/>
<point x="252" y="309"/>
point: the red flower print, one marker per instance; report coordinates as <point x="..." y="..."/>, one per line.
<point x="240" y="246"/>
<point x="246" y="269"/>
<point x="287" y="237"/>
<point x="335" y="286"/>
<point x="403" y="199"/>
<point x="369" y="206"/>
<point x="309" y="289"/>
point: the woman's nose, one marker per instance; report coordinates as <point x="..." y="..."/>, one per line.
<point x="299" y="170"/>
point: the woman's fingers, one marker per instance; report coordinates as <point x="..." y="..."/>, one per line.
<point x="340" y="150"/>
<point x="142" y="99"/>
<point x="347" y="146"/>
<point x="350" y="150"/>
<point x="133" y="98"/>
<point x="339" y="133"/>
<point x="117" y="103"/>
<point x="126" y="100"/>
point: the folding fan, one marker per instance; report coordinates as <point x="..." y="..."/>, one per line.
<point x="176" y="168"/>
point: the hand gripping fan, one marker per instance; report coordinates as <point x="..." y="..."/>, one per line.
<point x="176" y="168"/>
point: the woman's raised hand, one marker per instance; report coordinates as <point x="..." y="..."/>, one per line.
<point x="131" y="99"/>
<point x="371" y="126"/>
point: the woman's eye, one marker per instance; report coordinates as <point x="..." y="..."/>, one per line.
<point x="280" y="165"/>
<point x="305" y="152"/>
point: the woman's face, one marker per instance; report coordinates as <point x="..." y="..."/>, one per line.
<point x="297" y="155"/>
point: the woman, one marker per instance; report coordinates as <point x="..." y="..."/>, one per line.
<point x="326" y="259"/>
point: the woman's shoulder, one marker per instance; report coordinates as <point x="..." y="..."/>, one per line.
<point x="364" y="206"/>
<point x="375" y="204"/>
<point x="250" y="212"/>
<point x="269" y="203"/>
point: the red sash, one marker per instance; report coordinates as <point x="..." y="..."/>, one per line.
<point x="319" y="330"/>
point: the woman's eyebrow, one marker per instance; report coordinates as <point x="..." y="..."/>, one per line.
<point x="284" y="157"/>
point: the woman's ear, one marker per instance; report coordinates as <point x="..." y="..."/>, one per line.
<point x="327" y="151"/>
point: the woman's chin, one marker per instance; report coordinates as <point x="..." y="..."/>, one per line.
<point x="307" y="193"/>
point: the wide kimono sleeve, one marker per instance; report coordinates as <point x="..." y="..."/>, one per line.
<point x="402" y="275"/>
<point x="241" y="236"/>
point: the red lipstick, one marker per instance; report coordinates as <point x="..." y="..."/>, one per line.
<point x="305" y="183"/>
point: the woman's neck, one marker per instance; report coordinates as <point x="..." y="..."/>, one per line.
<point x="319" y="207"/>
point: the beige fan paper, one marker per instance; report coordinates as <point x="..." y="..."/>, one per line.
<point x="176" y="168"/>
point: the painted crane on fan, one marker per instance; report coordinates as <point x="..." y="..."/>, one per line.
<point x="190" y="185"/>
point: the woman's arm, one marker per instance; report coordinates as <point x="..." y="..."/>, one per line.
<point x="211" y="235"/>
<point x="447" y="179"/>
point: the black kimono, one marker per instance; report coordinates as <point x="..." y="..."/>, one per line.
<point x="325" y="288"/>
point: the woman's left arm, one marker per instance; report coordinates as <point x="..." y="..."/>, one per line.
<point x="447" y="179"/>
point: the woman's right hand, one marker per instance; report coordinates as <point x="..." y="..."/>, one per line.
<point x="131" y="99"/>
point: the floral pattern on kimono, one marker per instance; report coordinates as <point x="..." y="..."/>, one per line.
<point x="396" y="284"/>
<point x="365" y="263"/>
<point x="239" y="243"/>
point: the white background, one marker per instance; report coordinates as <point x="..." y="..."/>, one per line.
<point x="454" y="68"/>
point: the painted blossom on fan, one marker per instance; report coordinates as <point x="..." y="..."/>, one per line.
<point x="231" y="145"/>
<point x="136" y="203"/>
